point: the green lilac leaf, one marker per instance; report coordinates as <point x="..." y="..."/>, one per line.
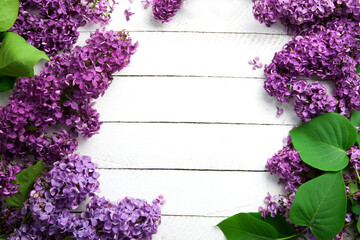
<point x="321" y="205"/>
<point x="6" y="83"/>
<point x="283" y="228"/>
<point x="353" y="188"/>
<point x="355" y="207"/>
<point x="355" y="119"/>
<point x="17" y="57"/>
<point x="246" y="227"/>
<point x="324" y="141"/>
<point x="358" y="225"/>
<point x="26" y="179"/>
<point x="9" y="10"/>
<point x="358" y="69"/>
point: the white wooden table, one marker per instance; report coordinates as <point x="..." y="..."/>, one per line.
<point x="189" y="118"/>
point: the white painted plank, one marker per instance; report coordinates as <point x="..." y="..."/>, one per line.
<point x="196" y="15"/>
<point x="204" y="193"/>
<point x="186" y="228"/>
<point x="200" y="54"/>
<point x="184" y="146"/>
<point x="192" y="100"/>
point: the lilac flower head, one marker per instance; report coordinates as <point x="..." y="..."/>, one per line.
<point x="63" y="94"/>
<point x="7" y="175"/>
<point x="62" y="189"/>
<point x="164" y="10"/>
<point x="129" y="219"/>
<point x="53" y="31"/>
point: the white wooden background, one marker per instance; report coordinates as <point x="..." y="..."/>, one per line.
<point x="189" y="118"/>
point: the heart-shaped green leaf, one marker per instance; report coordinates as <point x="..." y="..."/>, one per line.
<point x="6" y="83"/>
<point x="9" y="10"/>
<point x="321" y="205"/>
<point x="283" y="228"/>
<point x="26" y="179"/>
<point x="17" y="57"/>
<point x="324" y="140"/>
<point x="246" y="227"/>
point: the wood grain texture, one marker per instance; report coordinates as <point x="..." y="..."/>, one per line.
<point x="181" y="99"/>
<point x="191" y="193"/>
<point x="200" y="54"/>
<point x="184" y="146"/>
<point x="196" y="15"/>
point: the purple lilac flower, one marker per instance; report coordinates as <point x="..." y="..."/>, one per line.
<point x="164" y="10"/>
<point x="146" y="3"/>
<point x="128" y="14"/>
<point x="63" y="94"/>
<point x="61" y="190"/>
<point x="256" y="63"/>
<point x="292" y="172"/>
<point x="128" y="219"/>
<point x="316" y="54"/>
<point x="273" y="206"/>
<point x="10" y="219"/>
<point x="302" y="14"/>
<point x="287" y="164"/>
<point x="7" y="175"/>
<point x="311" y="100"/>
<point x="53" y="31"/>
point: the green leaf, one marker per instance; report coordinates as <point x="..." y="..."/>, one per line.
<point x="283" y="228"/>
<point x="9" y="10"/>
<point x="26" y="179"/>
<point x="353" y="188"/>
<point x="355" y="120"/>
<point x="321" y="205"/>
<point x="324" y="140"/>
<point x="358" y="69"/>
<point x="17" y="58"/>
<point x="6" y="83"/>
<point x="358" y="225"/>
<point x="246" y="227"/>
<point x="355" y="207"/>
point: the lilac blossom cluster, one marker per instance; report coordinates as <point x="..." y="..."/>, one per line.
<point x="164" y="10"/>
<point x="52" y="25"/>
<point x="128" y="219"/>
<point x="48" y="211"/>
<point x="7" y="176"/>
<point x="45" y="114"/>
<point x="330" y="52"/>
<point x="292" y="172"/>
<point x="326" y="46"/>
<point x="302" y="14"/>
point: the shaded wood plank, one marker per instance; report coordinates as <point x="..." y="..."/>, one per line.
<point x="185" y="228"/>
<point x="184" y="146"/>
